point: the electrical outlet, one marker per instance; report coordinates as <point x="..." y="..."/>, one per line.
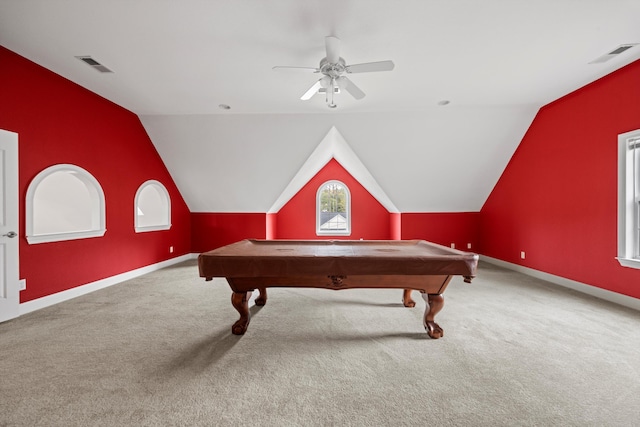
<point x="522" y="255"/>
<point x="453" y="246"/>
<point x="170" y="249"/>
<point x="468" y="245"/>
<point x="22" y="284"/>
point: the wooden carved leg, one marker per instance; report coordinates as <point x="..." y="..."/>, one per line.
<point x="240" y="301"/>
<point x="435" y="302"/>
<point x="262" y="298"/>
<point x="406" y="298"/>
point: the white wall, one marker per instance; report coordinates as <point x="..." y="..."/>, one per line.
<point x="424" y="161"/>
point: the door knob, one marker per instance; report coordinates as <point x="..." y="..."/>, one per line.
<point x="10" y="234"/>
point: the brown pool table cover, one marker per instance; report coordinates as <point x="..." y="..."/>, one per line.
<point x="275" y="258"/>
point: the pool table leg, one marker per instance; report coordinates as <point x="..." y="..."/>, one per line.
<point x="262" y="297"/>
<point x="435" y="302"/>
<point x="407" y="300"/>
<point x="240" y="301"/>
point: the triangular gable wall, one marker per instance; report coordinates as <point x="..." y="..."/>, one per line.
<point x="333" y="146"/>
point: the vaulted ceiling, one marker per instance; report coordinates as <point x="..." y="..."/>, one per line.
<point x="174" y="62"/>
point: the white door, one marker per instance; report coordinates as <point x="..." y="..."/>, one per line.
<point x="9" y="298"/>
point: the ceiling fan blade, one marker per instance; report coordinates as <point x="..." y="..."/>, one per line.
<point x="370" y="66"/>
<point x="287" y="67"/>
<point x="312" y="91"/>
<point x="352" y="88"/>
<point x="332" y="45"/>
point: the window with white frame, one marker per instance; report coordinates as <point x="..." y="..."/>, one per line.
<point x="629" y="199"/>
<point x="152" y="207"/>
<point x="64" y="202"/>
<point x="333" y="209"/>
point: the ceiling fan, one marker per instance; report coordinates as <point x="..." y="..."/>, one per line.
<point x="333" y="68"/>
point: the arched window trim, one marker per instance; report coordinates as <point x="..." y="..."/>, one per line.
<point x="96" y="194"/>
<point x="320" y="232"/>
<point x="167" y="200"/>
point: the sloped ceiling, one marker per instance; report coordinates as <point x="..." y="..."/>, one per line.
<point x="333" y="146"/>
<point x="174" y="62"/>
<point x="424" y="162"/>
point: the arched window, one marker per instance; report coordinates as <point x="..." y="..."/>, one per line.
<point x="152" y="207"/>
<point x="64" y="202"/>
<point x="333" y="209"/>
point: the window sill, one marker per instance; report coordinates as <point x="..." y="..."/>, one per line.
<point x="629" y="262"/>
<point x="153" y="228"/>
<point x="334" y="233"/>
<point x="60" y="237"/>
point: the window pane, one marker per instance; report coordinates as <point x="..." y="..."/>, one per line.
<point x="636" y="195"/>
<point x="2" y="186"/>
<point x="333" y="207"/>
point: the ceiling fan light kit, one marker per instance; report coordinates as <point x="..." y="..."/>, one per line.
<point x="333" y="68"/>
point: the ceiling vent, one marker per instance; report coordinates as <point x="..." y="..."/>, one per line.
<point x="94" y="64"/>
<point x="615" y="52"/>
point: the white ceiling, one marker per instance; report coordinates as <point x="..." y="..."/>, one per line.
<point x="174" y="62"/>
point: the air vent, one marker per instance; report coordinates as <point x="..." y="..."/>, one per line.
<point x="621" y="49"/>
<point x="615" y="52"/>
<point x="94" y="64"/>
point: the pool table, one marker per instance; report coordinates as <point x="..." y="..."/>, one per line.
<point x="338" y="264"/>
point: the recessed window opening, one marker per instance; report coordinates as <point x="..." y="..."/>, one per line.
<point x="152" y="207"/>
<point x="333" y="209"/>
<point x="64" y="202"/>
<point x="629" y="199"/>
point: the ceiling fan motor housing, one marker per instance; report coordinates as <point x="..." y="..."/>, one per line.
<point x="332" y="70"/>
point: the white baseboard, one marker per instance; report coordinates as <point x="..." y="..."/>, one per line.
<point x="49" y="300"/>
<point x="594" y="291"/>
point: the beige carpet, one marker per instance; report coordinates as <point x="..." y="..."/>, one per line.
<point x="158" y="351"/>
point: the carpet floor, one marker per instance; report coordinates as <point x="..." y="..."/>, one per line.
<point x="158" y="351"/>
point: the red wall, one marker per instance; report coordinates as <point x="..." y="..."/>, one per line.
<point x="395" y="224"/>
<point x="60" y="122"/>
<point x="212" y="230"/>
<point x="297" y="219"/>
<point x="459" y="228"/>
<point x="557" y="198"/>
